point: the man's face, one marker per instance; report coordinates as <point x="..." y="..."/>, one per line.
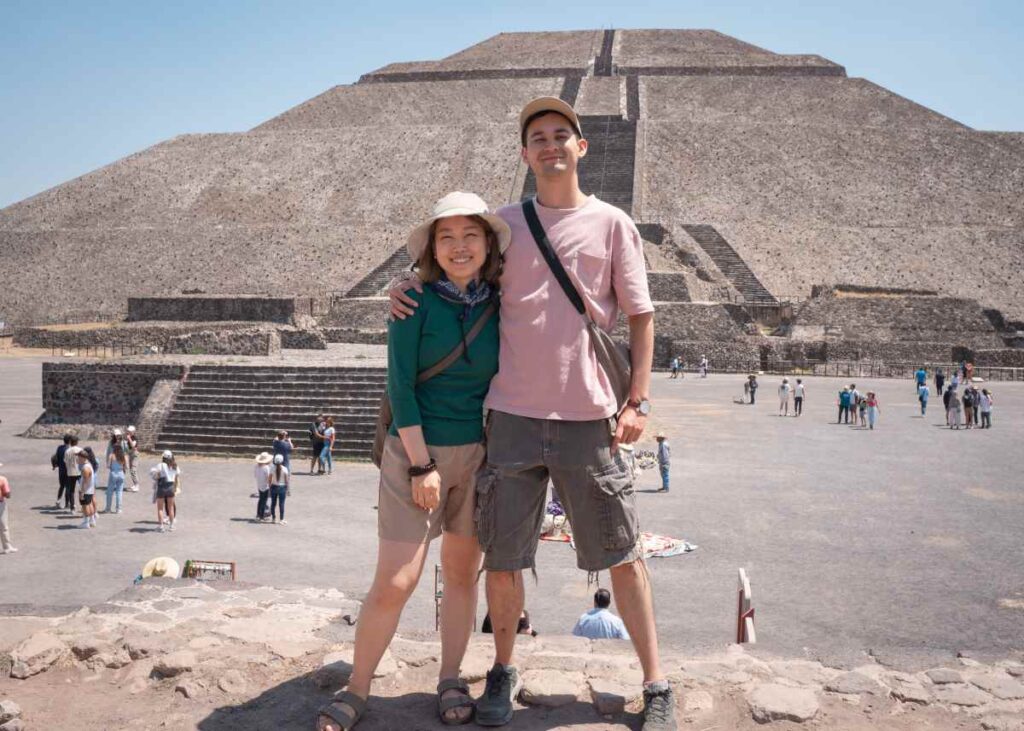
<point x="552" y="146"/>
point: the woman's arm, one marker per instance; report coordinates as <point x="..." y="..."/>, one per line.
<point x="426" y="489"/>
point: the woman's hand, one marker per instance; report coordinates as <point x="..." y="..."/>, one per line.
<point x="426" y="490"/>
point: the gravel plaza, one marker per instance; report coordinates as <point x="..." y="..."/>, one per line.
<point x="902" y="542"/>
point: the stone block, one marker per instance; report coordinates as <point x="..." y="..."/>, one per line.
<point x="610" y="696"/>
<point x="943" y="676"/>
<point x="1001" y="685"/>
<point x="853" y="683"/>
<point x="961" y="695"/>
<point x="174" y="664"/>
<point x="37" y="654"/>
<point x="773" y="702"/>
<point x="551" y="688"/>
<point x="9" y="710"/>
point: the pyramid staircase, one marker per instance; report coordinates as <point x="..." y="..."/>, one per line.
<point x="237" y="410"/>
<point x="730" y="264"/>
<point x="373" y="284"/>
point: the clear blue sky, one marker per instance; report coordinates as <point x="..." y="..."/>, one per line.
<point x="85" y="83"/>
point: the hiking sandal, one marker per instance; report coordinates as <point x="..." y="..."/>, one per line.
<point x="449" y="704"/>
<point x="338" y="714"/>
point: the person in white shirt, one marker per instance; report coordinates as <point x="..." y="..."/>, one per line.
<point x="262" y="474"/>
<point x="279" y="482"/>
<point x="5" y="531"/>
<point x="86" y="489"/>
<point x="166" y="476"/>
<point x="798" y="398"/>
<point x="784" y="397"/>
<point x="74" y="474"/>
<point x="986" y="408"/>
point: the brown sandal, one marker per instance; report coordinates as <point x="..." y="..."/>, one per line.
<point x="449" y="704"/>
<point x="340" y="715"/>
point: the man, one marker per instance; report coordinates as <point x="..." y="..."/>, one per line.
<point x="674" y="365"/>
<point x="552" y="410"/>
<point x="316" y="443"/>
<point x="798" y="397"/>
<point x="131" y="450"/>
<point x="844" y="406"/>
<point x="57" y="463"/>
<point x="921" y="376"/>
<point x="73" y="473"/>
<point x="703" y="366"/>
<point x="664" y="454"/>
<point x="599" y="623"/>
<point x="5" y="530"/>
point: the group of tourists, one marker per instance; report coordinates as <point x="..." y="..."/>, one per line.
<point x="858" y="408"/>
<point x="273" y="483"/>
<point x="971" y="409"/>
<point x="677" y="367"/>
<point x="565" y="263"/>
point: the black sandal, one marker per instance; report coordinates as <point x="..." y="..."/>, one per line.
<point x="449" y="704"/>
<point x="340" y="715"/>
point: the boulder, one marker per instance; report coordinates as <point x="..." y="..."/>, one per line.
<point x="37" y="654"/>
<point x="9" y="710"/>
<point x="174" y="664"/>
<point x="942" y="676"/>
<point x="773" y="702"/>
<point x="1001" y="685"/>
<point x="853" y="683"/>
<point x="961" y="695"/>
<point x="15" y="724"/>
<point x="551" y="688"/>
<point x="189" y="688"/>
<point x="610" y="697"/>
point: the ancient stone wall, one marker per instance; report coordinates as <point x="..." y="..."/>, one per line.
<point x="1000" y="357"/>
<point x="226" y="342"/>
<point x="191" y="308"/>
<point x="128" y="336"/>
<point x="101" y="392"/>
<point x="312" y="339"/>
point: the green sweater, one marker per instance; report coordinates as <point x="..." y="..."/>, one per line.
<point x="449" y="406"/>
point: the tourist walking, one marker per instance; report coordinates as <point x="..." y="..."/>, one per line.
<point x="855" y="398"/>
<point x="784" y="397"/>
<point x="664" y="458"/>
<point x="599" y="623"/>
<point x="57" y="463"/>
<point x="280" y="479"/>
<point x="862" y="409"/>
<point x="871" y="401"/>
<point x="316" y="444"/>
<point x="73" y="472"/>
<point x="283" y="446"/>
<point x="986" y="408"/>
<point x="262" y="474"/>
<point x="87" y="486"/>
<point x="844" y="407"/>
<point x="922" y="396"/>
<point x="434" y="448"/>
<point x="117" y="465"/>
<point x="920" y="377"/>
<point x="940" y="380"/>
<point x="953" y="408"/>
<point x="674" y="366"/>
<point x="325" y="453"/>
<point x="752" y="379"/>
<point x="704" y="365"/>
<point x="131" y="446"/>
<point x="167" y="476"/>
<point x="946" y="396"/>
<point x="798" y="398"/>
<point x="5" y="528"/>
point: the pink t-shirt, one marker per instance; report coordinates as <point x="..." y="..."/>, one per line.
<point x="547" y="368"/>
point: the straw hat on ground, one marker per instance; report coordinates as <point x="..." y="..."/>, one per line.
<point x="162" y="566"/>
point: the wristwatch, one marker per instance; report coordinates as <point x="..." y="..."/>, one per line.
<point x="643" y="406"/>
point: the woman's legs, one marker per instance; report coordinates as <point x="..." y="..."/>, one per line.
<point x="110" y="493"/>
<point x="325" y="457"/>
<point x="172" y="510"/>
<point x="460" y="566"/>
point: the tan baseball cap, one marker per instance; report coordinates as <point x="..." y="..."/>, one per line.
<point x="548" y="104"/>
<point x="457" y="203"/>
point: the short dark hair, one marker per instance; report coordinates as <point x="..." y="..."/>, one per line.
<point x="541" y="113"/>
<point x="67" y="438"/>
<point x="74" y="440"/>
<point x="602" y="598"/>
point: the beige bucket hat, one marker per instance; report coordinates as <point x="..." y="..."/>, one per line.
<point x="457" y="203"/>
<point x="548" y="104"/>
<point x="264" y="458"/>
<point x="162" y="566"/>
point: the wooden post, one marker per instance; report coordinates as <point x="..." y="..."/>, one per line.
<point x="744" y="612"/>
<point x="438" y="595"/>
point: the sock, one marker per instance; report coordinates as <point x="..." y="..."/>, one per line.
<point x="657" y="686"/>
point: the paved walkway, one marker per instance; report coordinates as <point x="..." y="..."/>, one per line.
<point x="903" y="541"/>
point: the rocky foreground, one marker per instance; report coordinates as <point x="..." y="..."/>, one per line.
<point x="174" y="654"/>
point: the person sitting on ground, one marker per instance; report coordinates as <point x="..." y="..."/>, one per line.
<point x="523" y="628"/>
<point x="599" y="623"/>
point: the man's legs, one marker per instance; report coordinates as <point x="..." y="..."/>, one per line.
<point x="506" y="598"/>
<point x="664" y="477"/>
<point x="133" y="457"/>
<point x="631" y="586"/>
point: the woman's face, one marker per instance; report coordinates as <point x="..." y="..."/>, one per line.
<point x="460" y="247"/>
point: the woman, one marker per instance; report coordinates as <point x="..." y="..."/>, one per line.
<point x="986" y="408"/>
<point x="279" y="481"/>
<point x="262" y="473"/>
<point x="325" y="454"/>
<point x="784" y="397"/>
<point x="873" y="409"/>
<point x="166" y="474"/>
<point x="87" y="487"/>
<point x="427" y="483"/>
<point x="117" y="464"/>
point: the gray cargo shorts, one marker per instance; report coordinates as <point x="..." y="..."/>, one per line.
<point x="595" y="488"/>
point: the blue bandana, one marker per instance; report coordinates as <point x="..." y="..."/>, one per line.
<point x="475" y="294"/>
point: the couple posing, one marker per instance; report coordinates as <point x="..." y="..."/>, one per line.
<point x="552" y="414"/>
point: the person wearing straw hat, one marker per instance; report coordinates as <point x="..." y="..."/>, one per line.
<point x="434" y="448"/>
<point x="262" y="474"/>
<point x="163" y="566"/>
<point x="553" y="410"/>
<point x="131" y="441"/>
<point x="5" y="529"/>
<point x="664" y="458"/>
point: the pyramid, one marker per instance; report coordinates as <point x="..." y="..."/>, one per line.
<point x="753" y="177"/>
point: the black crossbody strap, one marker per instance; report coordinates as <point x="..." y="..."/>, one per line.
<point x="453" y="356"/>
<point x="541" y="237"/>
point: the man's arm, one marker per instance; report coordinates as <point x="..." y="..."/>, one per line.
<point x="641" y="347"/>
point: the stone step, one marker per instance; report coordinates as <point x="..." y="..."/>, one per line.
<point x="259" y="392"/>
<point x="355" y="451"/>
<point x="265" y="400"/>
<point x="288" y="377"/>
<point x="294" y="424"/>
<point x="251" y="436"/>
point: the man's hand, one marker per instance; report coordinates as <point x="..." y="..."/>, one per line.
<point x="401" y="305"/>
<point x="426" y="490"/>
<point x="629" y="429"/>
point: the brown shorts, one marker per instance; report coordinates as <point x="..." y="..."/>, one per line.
<point x="400" y="519"/>
<point x="594" y="486"/>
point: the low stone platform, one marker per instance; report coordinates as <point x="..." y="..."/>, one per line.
<point x="187" y="655"/>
